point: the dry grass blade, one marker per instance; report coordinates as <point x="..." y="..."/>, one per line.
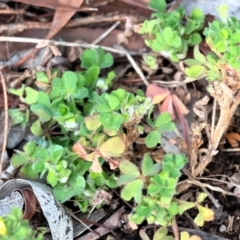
<point x="5" y="119"/>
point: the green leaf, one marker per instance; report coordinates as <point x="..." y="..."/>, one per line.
<point x="111" y="75"/>
<point x="194" y="39"/>
<point x="144" y="210"/>
<point x="89" y="58"/>
<point x="199" y="220"/>
<point x="91" y="75"/>
<point x="105" y="59"/>
<point x="133" y="190"/>
<point x="18" y="92"/>
<point x="19" y="117"/>
<point x="52" y="177"/>
<point x="36" y="128"/>
<point x="41" y="111"/>
<point x="201" y="197"/>
<point x="31" y="95"/>
<point x="39" y="167"/>
<point x="160" y="234"/>
<point x="184" y="206"/>
<point x="80" y="93"/>
<point x="162" y="119"/>
<point x="43" y="99"/>
<point x="27" y="171"/>
<point x="153" y="138"/>
<point x="42" y="77"/>
<point x="98" y="57"/>
<point x="75" y="186"/>
<point x="158" y="5"/>
<point x="190" y="26"/>
<point x="19" y="159"/>
<point x="196" y="71"/>
<point x="55" y="153"/>
<point x="147" y="163"/>
<point x="112" y="102"/>
<point x="198" y="55"/>
<point x="148" y="168"/>
<point x="224" y="34"/>
<point x="180" y="161"/>
<point x="29" y="148"/>
<point x="58" y="89"/>
<point x="223" y="12"/>
<point x="120" y="94"/>
<point x="111" y="121"/>
<point x="128" y="168"/>
<point x="69" y="80"/>
<point x="171" y="38"/>
<point x="173" y="209"/>
<point x="148" y="25"/>
<point x="197" y="14"/>
<point x="41" y="154"/>
<point x="125" y="179"/>
<point x="191" y="62"/>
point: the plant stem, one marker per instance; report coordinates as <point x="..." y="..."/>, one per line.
<point x="228" y="107"/>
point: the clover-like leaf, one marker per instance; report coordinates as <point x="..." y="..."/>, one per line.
<point x="153" y="138"/>
<point x="52" y="177"/>
<point x="75" y="186"/>
<point x="184" y="206"/>
<point x="158" y="5"/>
<point x="113" y="147"/>
<point x="129" y="171"/>
<point x="98" y="57"/>
<point x="111" y="121"/>
<point x="148" y="168"/>
<point x="196" y="71"/>
<point x="207" y="214"/>
<point x="31" y="95"/>
<point x="92" y="122"/>
<point x="133" y="189"/>
<point x="36" y="128"/>
<point x="223" y="12"/>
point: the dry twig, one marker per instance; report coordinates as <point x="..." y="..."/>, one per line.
<point x="5" y="119"/>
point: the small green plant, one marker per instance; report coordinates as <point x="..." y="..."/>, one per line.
<point x="87" y="122"/>
<point x="171" y="33"/>
<point x="221" y="67"/>
<point x="161" y="124"/>
<point x="223" y="39"/>
<point x="153" y="190"/>
<point x="12" y="227"/>
<point x="159" y="180"/>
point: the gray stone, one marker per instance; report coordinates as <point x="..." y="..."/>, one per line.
<point x="15" y="136"/>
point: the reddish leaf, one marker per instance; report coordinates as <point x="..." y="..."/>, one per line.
<point x="167" y="106"/>
<point x="79" y="149"/>
<point x="156" y="93"/>
<point x="179" y="104"/>
<point x="96" y="167"/>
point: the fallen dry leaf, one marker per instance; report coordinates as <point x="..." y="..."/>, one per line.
<point x="233" y="139"/>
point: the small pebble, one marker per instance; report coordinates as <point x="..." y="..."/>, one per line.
<point x="222" y="228"/>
